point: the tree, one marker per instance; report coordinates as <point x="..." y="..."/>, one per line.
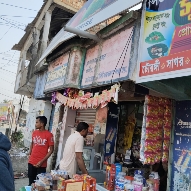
<point x="5" y="101"/>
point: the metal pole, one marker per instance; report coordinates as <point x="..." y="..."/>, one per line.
<point x="81" y="33"/>
<point x="21" y="104"/>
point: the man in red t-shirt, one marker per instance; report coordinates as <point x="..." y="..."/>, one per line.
<point x="41" y="148"/>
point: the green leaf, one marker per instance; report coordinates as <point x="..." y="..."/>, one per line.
<point x="155" y="37"/>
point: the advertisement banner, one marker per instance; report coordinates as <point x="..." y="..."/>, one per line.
<point x="171" y="64"/>
<point x="56" y="73"/>
<point x="111" y="130"/>
<point x="109" y="61"/>
<point x="181" y="173"/>
<point x="92" y="13"/>
<point x="166" y="31"/>
<point x="3" y="111"/>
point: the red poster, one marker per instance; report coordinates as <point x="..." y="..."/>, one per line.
<point x="182" y="39"/>
<point x="175" y="62"/>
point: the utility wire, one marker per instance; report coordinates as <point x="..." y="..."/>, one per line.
<point x="6" y="90"/>
<point x="5" y="51"/>
<point x="15" y="21"/>
<point x="7" y="81"/>
<point x="7" y="96"/>
<point x="16" y="16"/>
<point x="12" y="24"/>
<point x="18" y="7"/>
<point x="9" y="60"/>
<point x="8" y="71"/>
<point x="5" y="33"/>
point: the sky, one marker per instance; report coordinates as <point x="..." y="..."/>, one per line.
<point x="14" y="16"/>
<point x="13" y="21"/>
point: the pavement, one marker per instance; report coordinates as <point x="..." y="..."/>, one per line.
<point x="19" y="183"/>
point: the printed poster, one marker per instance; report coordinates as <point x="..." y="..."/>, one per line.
<point x="57" y="73"/>
<point x="111" y="129"/>
<point x="166" y="31"/>
<point x="181" y="167"/>
<point x="108" y="62"/>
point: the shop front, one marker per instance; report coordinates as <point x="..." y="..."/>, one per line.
<point x="164" y="66"/>
<point x="94" y="85"/>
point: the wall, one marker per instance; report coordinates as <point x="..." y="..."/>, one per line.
<point x="36" y="108"/>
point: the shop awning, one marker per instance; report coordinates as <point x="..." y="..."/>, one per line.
<point x="91" y="14"/>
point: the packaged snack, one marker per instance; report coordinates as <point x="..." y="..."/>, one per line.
<point x="152" y="111"/>
<point x="110" y="177"/>
<point x="90" y="184"/>
<point x="151" y="100"/>
<point x="118" y="167"/>
<point x="165" y="156"/>
<point x="69" y="185"/>
<point x="149" y="158"/>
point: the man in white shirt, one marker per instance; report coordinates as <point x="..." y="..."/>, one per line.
<point x="73" y="151"/>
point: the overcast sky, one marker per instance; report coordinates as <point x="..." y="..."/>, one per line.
<point x="13" y="21"/>
<point x="14" y="16"/>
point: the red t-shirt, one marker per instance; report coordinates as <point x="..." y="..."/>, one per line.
<point x="42" y="140"/>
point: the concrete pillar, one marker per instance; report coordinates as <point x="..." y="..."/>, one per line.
<point x="36" y="35"/>
<point x="67" y="122"/>
<point x="22" y="60"/>
<point x="46" y="29"/>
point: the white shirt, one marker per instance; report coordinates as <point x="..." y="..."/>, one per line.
<point x="74" y="144"/>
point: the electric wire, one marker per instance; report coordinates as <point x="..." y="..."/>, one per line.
<point x="18" y="7"/>
<point x="8" y="71"/>
<point x="9" y="60"/>
<point x="6" y="90"/>
<point x="17" y="16"/>
<point x="5" y="33"/>
<point x="7" y="81"/>
<point x="7" y="96"/>
<point x="12" y="24"/>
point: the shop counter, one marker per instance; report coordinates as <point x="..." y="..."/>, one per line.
<point x="100" y="187"/>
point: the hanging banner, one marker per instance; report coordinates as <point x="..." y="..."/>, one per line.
<point x="56" y="73"/>
<point x="181" y="176"/>
<point x="166" y="31"/>
<point x="111" y="130"/>
<point x="108" y="62"/>
<point x="92" y="13"/>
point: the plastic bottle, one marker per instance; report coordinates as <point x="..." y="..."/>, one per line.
<point x="120" y="182"/>
<point x="128" y="184"/>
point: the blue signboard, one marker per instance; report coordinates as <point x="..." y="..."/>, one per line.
<point x="111" y="130"/>
<point x="181" y="167"/>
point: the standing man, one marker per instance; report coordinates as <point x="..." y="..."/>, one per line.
<point x="73" y="151"/>
<point x="6" y="177"/>
<point x="41" y="148"/>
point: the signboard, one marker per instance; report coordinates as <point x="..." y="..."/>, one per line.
<point x="3" y="111"/>
<point x="181" y="174"/>
<point x="92" y="13"/>
<point x="75" y="67"/>
<point x="108" y="62"/>
<point x="56" y="73"/>
<point x="166" y="31"/>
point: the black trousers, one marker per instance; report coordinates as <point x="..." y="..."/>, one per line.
<point x="33" y="172"/>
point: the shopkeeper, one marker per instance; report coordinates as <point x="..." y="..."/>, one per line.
<point x="73" y="151"/>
